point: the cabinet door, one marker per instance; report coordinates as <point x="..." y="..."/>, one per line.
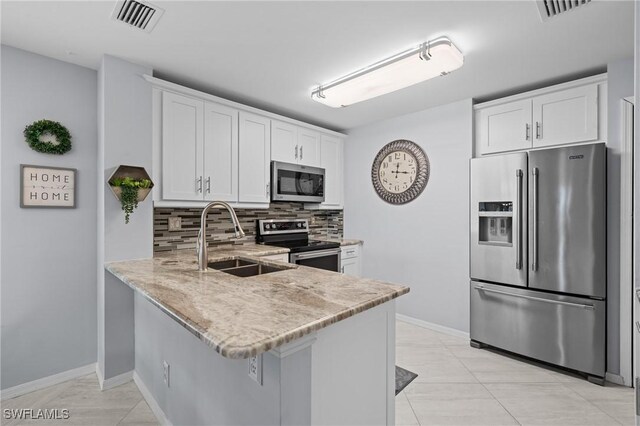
<point x="254" y="153"/>
<point x="331" y="160"/>
<point x="351" y="267"/>
<point x="182" y="147"/>
<point x="220" y="153"/>
<point x="505" y="127"/>
<point x="284" y="142"/>
<point x="308" y="147"/>
<point x="567" y="116"/>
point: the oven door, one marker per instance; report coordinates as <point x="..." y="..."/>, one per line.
<point x="293" y="182"/>
<point x="321" y="259"/>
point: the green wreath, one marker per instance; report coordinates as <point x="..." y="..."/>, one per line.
<point x="37" y="129"/>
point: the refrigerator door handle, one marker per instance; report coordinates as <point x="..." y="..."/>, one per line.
<point x="534" y="220"/>
<point x="537" y="299"/>
<point x="518" y="218"/>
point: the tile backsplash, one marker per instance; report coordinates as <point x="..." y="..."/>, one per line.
<point x="322" y="224"/>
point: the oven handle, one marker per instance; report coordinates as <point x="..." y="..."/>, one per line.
<point x="314" y="254"/>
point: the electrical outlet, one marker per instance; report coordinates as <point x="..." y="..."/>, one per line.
<point x="255" y="369"/>
<point x="175" y="223"/>
<point x="165" y="372"/>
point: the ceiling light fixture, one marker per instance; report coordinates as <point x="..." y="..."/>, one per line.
<point x="430" y="59"/>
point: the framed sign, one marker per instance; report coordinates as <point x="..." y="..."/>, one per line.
<point x="47" y="187"/>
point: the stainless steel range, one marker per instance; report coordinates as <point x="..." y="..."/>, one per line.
<point x="538" y="255"/>
<point x="294" y="235"/>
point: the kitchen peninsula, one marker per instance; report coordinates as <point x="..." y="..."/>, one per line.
<point x="323" y="342"/>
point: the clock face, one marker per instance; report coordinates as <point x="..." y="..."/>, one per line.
<point x="400" y="172"/>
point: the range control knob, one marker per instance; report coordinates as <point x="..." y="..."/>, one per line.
<point x="267" y="226"/>
<point x="299" y="225"/>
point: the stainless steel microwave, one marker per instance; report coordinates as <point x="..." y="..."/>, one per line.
<point x="294" y="182"/>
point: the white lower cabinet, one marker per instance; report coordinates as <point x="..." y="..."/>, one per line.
<point x="351" y="261"/>
<point x="254" y="154"/>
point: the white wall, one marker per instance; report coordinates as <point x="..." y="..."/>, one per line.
<point x="619" y="86"/>
<point x="124" y="123"/>
<point x="48" y="280"/>
<point x="425" y="243"/>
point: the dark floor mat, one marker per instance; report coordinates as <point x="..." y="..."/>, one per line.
<point x="403" y="378"/>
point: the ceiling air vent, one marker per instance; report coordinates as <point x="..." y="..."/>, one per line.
<point x="550" y="8"/>
<point x="137" y="14"/>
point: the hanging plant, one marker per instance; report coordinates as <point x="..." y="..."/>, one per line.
<point x="48" y="137"/>
<point x="127" y="189"/>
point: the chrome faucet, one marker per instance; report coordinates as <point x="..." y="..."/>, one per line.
<point x="201" y="249"/>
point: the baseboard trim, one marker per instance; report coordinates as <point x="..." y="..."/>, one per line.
<point x="112" y="382"/>
<point x="45" y="382"/>
<point x="432" y="326"/>
<point x="615" y="378"/>
<point x="151" y="401"/>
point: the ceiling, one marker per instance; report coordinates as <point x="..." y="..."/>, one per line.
<point x="271" y="54"/>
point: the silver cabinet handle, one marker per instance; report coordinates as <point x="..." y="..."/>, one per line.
<point x="526" y="134"/>
<point x="342" y="269"/>
<point x="538" y="130"/>
<point x="208" y="184"/>
<point x="296" y="152"/>
<point x="534" y="220"/>
<point x="199" y="184"/>
<point x="537" y="299"/>
<point x="301" y="152"/>
<point x="518" y="218"/>
<point x="267" y="191"/>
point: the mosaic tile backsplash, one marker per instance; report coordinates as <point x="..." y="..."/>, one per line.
<point x="322" y="224"/>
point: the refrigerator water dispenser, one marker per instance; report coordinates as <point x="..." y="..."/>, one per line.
<point x="495" y="223"/>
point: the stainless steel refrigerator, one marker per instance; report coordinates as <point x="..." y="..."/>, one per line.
<point x="538" y="255"/>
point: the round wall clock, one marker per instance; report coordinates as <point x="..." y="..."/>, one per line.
<point x="400" y="172"/>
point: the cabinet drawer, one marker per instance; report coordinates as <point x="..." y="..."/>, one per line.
<point x="562" y="330"/>
<point x="349" y="252"/>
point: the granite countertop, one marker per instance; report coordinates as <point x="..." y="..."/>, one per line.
<point x="242" y="317"/>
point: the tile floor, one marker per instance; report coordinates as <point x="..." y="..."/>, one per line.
<point x="460" y="385"/>
<point x="87" y="404"/>
<point x="456" y="385"/>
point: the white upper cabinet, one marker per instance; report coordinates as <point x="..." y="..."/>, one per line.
<point x="182" y="147"/>
<point x="574" y="112"/>
<point x="254" y="155"/>
<point x="308" y="147"/>
<point x="294" y="144"/>
<point x="220" y="153"/>
<point x="505" y="127"/>
<point x="284" y="142"/>
<point x="331" y="160"/>
<point x="569" y="116"/>
<point x="207" y="148"/>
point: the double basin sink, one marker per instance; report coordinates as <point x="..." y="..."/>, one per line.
<point x="244" y="268"/>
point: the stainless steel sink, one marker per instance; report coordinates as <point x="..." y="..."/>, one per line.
<point x="226" y="264"/>
<point x="244" y="268"/>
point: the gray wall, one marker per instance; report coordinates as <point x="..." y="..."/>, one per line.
<point x="124" y="129"/>
<point x="620" y="85"/>
<point x="425" y="243"/>
<point x="48" y="255"/>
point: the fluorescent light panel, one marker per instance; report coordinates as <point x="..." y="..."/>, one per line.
<point x="430" y="59"/>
